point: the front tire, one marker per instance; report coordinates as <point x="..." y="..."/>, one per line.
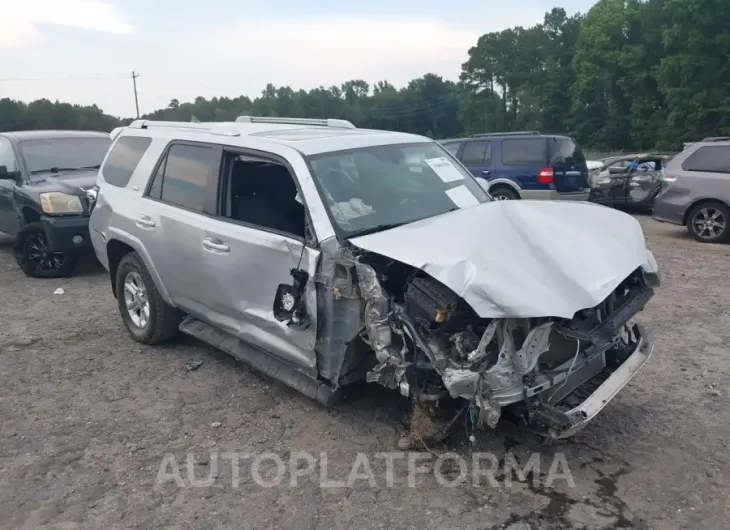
<point x="503" y="193"/>
<point x="145" y="314"/>
<point x="36" y="260"/>
<point x="710" y="222"/>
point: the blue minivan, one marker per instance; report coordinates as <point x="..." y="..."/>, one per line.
<point x="525" y="165"/>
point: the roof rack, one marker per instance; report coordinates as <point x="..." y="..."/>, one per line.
<point x="511" y="133"/>
<point x="219" y="128"/>
<point x="329" y="122"/>
<point x="716" y="139"/>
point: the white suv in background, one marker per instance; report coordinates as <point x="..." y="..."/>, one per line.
<point x="323" y="254"/>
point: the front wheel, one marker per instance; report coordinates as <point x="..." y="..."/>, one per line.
<point x="709" y="222"/>
<point x="145" y="314"/>
<point x="504" y="194"/>
<point x="35" y="259"/>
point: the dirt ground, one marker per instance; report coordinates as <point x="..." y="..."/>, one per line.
<point x="87" y="417"/>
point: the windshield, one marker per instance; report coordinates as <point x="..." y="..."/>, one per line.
<point x="375" y="188"/>
<point x="63" y="153"/>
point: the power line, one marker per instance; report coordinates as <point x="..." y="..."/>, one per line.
<point x="65" y="78"/>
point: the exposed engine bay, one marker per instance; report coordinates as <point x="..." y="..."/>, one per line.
<point x="554" y="373"/>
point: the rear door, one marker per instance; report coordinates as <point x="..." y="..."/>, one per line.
<point x="570" y="171"/>
<point x="477" y="157"/>
<point x="522" y="160"/>
<point x="180" y="200"/>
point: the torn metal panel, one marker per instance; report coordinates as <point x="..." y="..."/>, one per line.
<point x="339" y="311"/>
<point x="524" y="262"/>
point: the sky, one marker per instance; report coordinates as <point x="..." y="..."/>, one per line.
<point x="84" y="51"/>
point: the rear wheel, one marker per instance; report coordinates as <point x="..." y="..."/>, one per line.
<point x="35" y="259"/>
<point x="145" y="314"/>
<point x="503" y="193"/>
<point x="710" y="222"/>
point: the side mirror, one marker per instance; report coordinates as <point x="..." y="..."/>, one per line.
<point x="289" y="302"/>
<point x="7" y="175"/>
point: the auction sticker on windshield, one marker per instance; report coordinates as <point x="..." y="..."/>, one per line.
<point x="462" y="197"/>
<point x="445" y="170"/>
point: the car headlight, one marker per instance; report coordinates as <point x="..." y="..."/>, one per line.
<point x="651" y="270"/>
<point x="60" y="203"/>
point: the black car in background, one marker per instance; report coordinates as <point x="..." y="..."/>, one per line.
<point x="45" y="178"/>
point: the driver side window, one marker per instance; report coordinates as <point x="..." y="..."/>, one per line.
<point x="7" y="156"/>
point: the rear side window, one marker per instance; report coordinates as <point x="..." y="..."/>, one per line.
<point x="710" y="159"/>
<point x="477" y="153"/>
<point x="566" y="151"/>
<point x="182" y="176"/>
<point x="523" y="151"/>
<point x="124" y="158"/>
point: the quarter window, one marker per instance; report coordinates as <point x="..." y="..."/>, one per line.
<point x="523" y="151"/>
<point x="123" y="159"/>
<point x="709" y="159"/>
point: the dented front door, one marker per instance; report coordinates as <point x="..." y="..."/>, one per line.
<point x="242" y="269"/>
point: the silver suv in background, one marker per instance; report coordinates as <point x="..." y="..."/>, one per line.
<point x="323" y="254"/>
<point x="695" y="190"/>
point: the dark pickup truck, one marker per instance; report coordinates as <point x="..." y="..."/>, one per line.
<point x="45" y="183"/>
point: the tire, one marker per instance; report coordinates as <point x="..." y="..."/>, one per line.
<point x="716" y="213"/>
<point x="34" y="259"/>
<point x="162" y="321"/>
<point x="503" y="193"/>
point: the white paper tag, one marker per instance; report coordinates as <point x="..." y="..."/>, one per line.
<point x="462" y="197"/>
<point x="444" y="169"/>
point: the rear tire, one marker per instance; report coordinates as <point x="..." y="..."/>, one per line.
<point x="148" y="318"/>
<point x="34" y="259"/>
<point x="709" y="222"/>
<point x="503" y="193"/>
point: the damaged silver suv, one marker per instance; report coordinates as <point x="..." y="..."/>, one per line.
<point x="323" y="254"/>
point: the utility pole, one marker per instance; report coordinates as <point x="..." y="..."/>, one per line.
<point x="135" y="75"/>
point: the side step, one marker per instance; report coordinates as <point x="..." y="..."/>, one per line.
<point x="262" y="361"/>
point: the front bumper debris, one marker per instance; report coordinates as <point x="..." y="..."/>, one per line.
<point x="566" y="418"/>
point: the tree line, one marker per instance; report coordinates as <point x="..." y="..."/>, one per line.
<point x="629" y="74"/>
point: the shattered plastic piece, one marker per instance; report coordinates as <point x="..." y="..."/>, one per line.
<point x="193" y="365"/>
<point x="59" y="291"/>
<point x="216" y="424"/>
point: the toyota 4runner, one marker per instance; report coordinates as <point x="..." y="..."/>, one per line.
<point x="323" y="254"/>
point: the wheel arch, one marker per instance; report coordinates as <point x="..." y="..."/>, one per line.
<point x="505" y="183"/>
<point x="117" y="248"/>
<point x="700" y="202"/>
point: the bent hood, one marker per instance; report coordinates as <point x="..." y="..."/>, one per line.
<point x="75" y="183"/>
<point x="521" y="258"/>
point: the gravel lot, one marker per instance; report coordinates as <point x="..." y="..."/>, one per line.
<point x="87" y="416"/>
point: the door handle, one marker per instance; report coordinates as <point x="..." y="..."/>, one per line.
<point x="215" y="245"/>
<point x="486" y="172"/>
<point x="145" y="221"/>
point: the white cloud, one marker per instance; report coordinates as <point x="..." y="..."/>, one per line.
<point x="19" y="19"/>
<point x="328" y="50"/>
<point x="183" y="58"/>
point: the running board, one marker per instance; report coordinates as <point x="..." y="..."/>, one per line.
<point x="262" y="361"/>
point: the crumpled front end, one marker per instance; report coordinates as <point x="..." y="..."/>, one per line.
<point x="555" y="373"/>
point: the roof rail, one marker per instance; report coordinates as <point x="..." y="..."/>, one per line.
<point x="716" y="139"/>
<point x="328" y="122"/>
<point x="219" y="128"/>
<point x="510" y="133"/>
